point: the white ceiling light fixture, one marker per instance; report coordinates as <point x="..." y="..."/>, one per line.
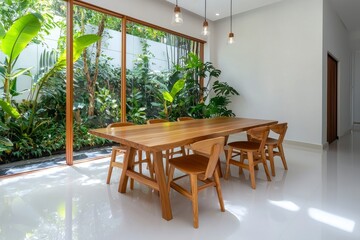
<point x="177" y="19"/>
<point x="231" y="39"/>
<point x="205" y="31"/>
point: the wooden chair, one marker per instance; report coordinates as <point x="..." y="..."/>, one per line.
<point x="122" y="149"/>
<point x="253" y="150"/>
<point x="201" y="166"/>
<point x="181" y="119"/>
<point x="272" y="143"/>
<point x="168" y="153"/>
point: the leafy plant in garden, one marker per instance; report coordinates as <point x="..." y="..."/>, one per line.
<point x="12" y="43"/>
<point x="11" y="10"/>
<point x="45" y="74"/>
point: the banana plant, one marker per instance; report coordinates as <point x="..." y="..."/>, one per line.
<point x="44" y="74"/>
<point x="169" y="96"/>
<point x="12" y="43"/>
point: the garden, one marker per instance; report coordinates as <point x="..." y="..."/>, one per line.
<point x="163" y="73"/>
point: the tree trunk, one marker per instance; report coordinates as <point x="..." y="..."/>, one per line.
<point x="91" y="81"/>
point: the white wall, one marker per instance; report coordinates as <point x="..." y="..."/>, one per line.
<point x="156" y="12"/>
<point x="276" y="64"/>
<point x="337" y="43"/>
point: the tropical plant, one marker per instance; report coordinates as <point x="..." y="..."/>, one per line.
<point x="46" y="73"/>
<point x="11" y="10"/>
<point x="12" y="43"/>
<point x="5" y="143"/>
<point x="208" y="101"/>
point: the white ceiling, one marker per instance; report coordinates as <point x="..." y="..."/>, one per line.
<point x="221" y="7"/>
<point x="348" y="10"/>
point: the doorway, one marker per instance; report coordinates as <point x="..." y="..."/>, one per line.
<point x="332" y="80"/>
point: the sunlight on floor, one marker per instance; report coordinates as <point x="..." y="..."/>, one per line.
<point x="288" y="205"/>
<point x="332" y="219"/>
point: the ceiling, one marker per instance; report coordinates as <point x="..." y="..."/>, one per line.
<point x="348" y="10"/>
<point x="221" y="7"/>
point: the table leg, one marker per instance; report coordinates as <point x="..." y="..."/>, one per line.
<point x="164" y="194"/>
<point x="127" y="164"/>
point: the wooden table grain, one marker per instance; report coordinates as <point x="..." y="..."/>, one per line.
<point x="163" y="136"/>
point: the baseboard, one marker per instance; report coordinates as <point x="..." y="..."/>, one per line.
<point x="303" y="144"/>
<point x="356" y="126"/>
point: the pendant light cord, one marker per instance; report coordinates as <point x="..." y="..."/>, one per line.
<point x="205" y="10"/>
<point x="230" y="15"/>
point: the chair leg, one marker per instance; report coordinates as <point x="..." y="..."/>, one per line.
<point x="263" y="159"/>
<point x="271" y="159"/>
<point x="171" y="176"/>
<point x="242" y="159"/>
<point x="218" y="191"/>
<point x="183" y="151"/>
<point x="251" y="169"/>
<point x="218" y="169"/>
<point x="167" y="161"/>
<point x="228" y="157"/>
<point x="194" y="197"/>
<point x="139" y="153"/>
<point x="112" y="159"/>
<point x="282" y="155"/>
<point x="149" y="164"/>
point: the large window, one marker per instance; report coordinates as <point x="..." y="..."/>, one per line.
<point x="32" y="82"/>
<point x="97" y="75"/>
<point x="152" y="59"/>
<point x="119" y="77"/>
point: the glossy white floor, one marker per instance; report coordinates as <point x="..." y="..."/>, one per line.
<point x="318" y="198"/>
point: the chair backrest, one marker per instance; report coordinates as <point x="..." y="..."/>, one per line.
<point x="181" y="119"/>
<point x="120" y="124"/>
<point x="156" y="120"/>
<point x="280" y="129"/>
<point x="210" y="148"/>
<point x="259" y="134"/>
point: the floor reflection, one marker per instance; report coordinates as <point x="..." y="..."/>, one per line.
<point x="317" y="198"/>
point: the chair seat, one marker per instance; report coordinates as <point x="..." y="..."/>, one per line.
<point x="245" y="146"/>
<point x="192" y="164"/>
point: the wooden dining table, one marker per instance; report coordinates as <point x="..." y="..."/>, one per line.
<point x="159" y="137"/>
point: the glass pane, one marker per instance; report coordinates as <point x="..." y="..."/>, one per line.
<point x="34" y="85"/>
<point x="153" y="58"/>
<point x="97" y="75"/>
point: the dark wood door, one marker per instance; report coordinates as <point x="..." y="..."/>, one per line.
<point x="332" y="72"/>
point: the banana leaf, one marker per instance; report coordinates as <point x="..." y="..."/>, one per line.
<point x="20" y="35"/>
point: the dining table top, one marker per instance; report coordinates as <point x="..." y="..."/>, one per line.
<point x="163" y="136"/>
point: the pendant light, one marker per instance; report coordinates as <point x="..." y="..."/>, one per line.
<point x="177" y="16"/>
<point x="231" y="39"/>
<point x="205" y="31"/>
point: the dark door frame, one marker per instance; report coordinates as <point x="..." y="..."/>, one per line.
<point x="332" y="98"/>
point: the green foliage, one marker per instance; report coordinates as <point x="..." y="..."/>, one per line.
<point x="12" y="44"/>
<point x="20" y="35"/>
<point x="108" y="106"/>
<point x="79" y="45"/>
<point x="11" y="10"/>
<point x="9" y="109"/>
<point x="5" y="143"/>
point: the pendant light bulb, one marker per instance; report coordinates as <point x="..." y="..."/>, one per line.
<point x="205" y="30"/>
<point x="231" y="39"/>
<point x="177" y="16"/>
